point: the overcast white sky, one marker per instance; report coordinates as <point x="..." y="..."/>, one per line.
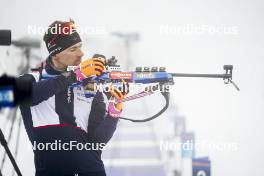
<point x="216" y="112"/>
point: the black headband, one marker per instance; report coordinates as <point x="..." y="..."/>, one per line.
<point x="63" y="39"/>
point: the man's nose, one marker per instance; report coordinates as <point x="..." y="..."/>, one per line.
<point x="80" y="53"/>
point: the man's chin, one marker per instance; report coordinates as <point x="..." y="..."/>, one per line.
<point x="77" y="63"/>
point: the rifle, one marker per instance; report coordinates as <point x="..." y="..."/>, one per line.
<point x="146" y="75"/>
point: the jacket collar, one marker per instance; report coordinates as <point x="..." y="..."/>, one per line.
<point x="50" y="69"/>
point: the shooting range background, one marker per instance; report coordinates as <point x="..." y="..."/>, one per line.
<point x="214" y="111"/>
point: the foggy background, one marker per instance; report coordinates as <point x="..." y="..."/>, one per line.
<point x="214" y="111"/>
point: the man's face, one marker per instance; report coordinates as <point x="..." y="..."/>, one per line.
<point x="69" y="57"/>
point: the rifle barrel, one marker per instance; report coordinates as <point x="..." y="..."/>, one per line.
<point x="224" y="76"/>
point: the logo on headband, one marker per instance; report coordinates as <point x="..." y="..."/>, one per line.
<point x="51" y="44"/>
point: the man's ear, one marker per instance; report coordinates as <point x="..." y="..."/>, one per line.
<point x="54" y="58"/>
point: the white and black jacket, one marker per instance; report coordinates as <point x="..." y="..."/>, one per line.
<point x="63" y="114"/>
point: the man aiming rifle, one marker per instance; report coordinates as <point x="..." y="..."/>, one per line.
<point x="62" y="114"/>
